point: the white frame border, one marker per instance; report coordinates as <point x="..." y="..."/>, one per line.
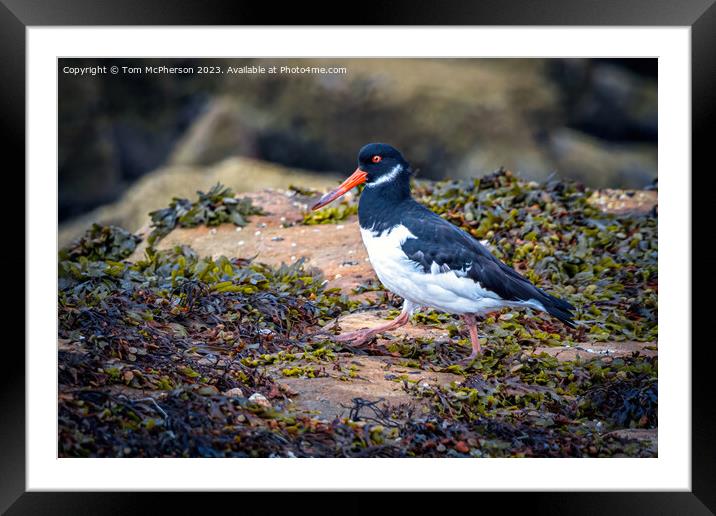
<point x="671" y="470"/>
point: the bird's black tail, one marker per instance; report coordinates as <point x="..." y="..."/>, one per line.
<point x="559" y="308"/>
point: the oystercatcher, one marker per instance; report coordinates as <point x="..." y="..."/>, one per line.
<point x="425" y="259"/>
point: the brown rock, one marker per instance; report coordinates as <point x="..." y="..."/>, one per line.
<point x="332" y="396"/>
<point x="587" y="350"/>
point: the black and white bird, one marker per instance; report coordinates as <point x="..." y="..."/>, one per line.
<point x="425" y="259"/>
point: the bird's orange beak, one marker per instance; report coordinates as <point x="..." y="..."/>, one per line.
<point x="355" y="179"/>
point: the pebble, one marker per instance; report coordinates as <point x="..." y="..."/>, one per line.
<point x="462" y="447"/>
<point x="238" y="228"/>
<point x="241" y="242"/>
<point x="212" y="231"/>
<point x="260" y="399"/>
<point x="340" y="226"/>
<point x="235" y="393"/>
<point x="257" y="233"/>
<point x="287" y="389"/>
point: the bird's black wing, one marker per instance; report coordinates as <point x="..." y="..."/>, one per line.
<point x="450" y="248"/>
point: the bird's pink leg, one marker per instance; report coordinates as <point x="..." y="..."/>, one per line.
<point x="471" y="324"/>
<point x="360" y="337"/>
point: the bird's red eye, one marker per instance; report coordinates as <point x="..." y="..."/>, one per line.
<point x="376" y="159"/>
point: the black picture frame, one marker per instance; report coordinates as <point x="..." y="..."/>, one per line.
<point x="17" y="15"/>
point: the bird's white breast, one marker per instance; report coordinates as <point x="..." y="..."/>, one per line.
<point x="450" y="291"/>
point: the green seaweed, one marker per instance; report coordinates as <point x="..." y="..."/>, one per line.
<point x="217" y="206"/>
<point x="102" y="243"/>
<point x="331" y="214"/>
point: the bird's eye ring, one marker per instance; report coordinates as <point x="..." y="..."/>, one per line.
<point x="376" y="159"/>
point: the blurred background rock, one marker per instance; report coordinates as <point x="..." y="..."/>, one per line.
<point x="129" y="143"/>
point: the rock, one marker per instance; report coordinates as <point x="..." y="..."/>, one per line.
<point x="646" y="435"/>
<point x="625" y="201"/>
<point x="605" y="349"/>
<point x="462" y="447"/>
<point x="434" y="121"/>
<point x="157" y="189"/>
<point x="260" y="399"/>
<point x="490" y="113"/>
<point x="369" y="319"/>
<point x="114" y="130"/>
<point x="326" y="249"/>
<point x="608" y="101"/>
<point x="287" y="390"/>
<point x="223" y="130"/>
<point x="234" y="393"/>
<point x="207" y="390"/>
<point x="600" y="164"/>
<point x="332" y="396"/>
<point x="531" y="161"/>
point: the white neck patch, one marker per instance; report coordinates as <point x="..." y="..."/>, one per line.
<point x="386" y="178"/>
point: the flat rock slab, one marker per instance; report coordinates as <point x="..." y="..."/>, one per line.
<point x="586" y="350"/>
<point x="371" y="378"/>
<point x="336" y="249"/>
<point x="644" y="435"/>
<point x="589" y="350"/>
<point x="619" y="202"/>
<point x="374" y="318"/>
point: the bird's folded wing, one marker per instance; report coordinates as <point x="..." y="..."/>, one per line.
<point x="440" y="247"/>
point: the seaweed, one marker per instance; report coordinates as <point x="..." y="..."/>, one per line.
<point x="102" y="243"/>
<point x="331" y="214"/>
<point x="217" y="206"/>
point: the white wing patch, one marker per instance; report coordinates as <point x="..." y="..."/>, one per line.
<point x="442" y="288"/>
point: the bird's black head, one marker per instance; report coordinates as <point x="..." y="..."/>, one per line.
<point x="382" y="163"/>
<point x="378" y="164"/>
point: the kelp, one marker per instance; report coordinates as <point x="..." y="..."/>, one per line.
<point x="337" y="211"/>
<point x="217" y="206"/>
<point x="102" y="243"/>
<point x="333" y="214"/>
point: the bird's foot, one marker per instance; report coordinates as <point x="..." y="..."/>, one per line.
<point x="468" y="360"/>
<point x="357" y="338"/>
